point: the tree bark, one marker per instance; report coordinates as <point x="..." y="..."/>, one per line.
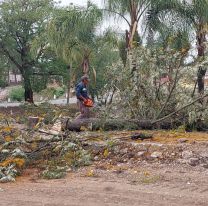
<point x="28" y="88"/>
<point x="200" y="79"/>
<point x="201" y="39"/>
<point x="115" y="124"/>
<point x="68" y="84"/>
<point x="86" y="64"/>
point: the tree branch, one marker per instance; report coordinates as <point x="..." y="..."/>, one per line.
<point x="6" y="52"/>
<point x="142" y="12"/>
<point x="121" y="15"/>
<point x="184" y="107"/>
<point x="172" y="89"/>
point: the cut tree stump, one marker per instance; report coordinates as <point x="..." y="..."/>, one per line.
<point x="32" y="122"/>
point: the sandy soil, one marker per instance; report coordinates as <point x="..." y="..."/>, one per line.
<point x="150" y="186"/>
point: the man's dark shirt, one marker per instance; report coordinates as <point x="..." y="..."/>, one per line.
<point x="81" y="90"/>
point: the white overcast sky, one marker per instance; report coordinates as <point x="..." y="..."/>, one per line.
<point x="116" y="24"/>
<point x="81" y="2"/>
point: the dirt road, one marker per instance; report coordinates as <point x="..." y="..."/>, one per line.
<point x="166" y="187"/>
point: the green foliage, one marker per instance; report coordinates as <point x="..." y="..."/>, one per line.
<point x="4" y="66"/>
<point x="17" y="94"/>
<point x="47" y="93"/>
<point x="42" y="82"/>
<point x="71" y="31"/>
<point x="23" y="22"/>
<point x="105" y="55"/>
<point x="152" y="89"/>
<point x="59" y="91"/>
<point x="123" y="52"/>
<point x="54" y="173"/>
<point x="3" y="83"/>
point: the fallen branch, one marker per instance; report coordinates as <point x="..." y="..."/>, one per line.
<point x="184" y="107"/>
<point x="50" y="132"/>
<point x="171" y="91"/>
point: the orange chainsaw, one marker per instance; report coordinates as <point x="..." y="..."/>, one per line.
<point x="88" y="103"/>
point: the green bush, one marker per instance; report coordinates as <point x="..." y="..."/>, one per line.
<point x="42" y="83"/>
<point x="59" y="92"/>
<point x="3" y="83"/>
<point x="17" y="94"/>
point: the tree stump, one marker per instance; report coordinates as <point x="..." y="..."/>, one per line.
<point x="32" y="122"/>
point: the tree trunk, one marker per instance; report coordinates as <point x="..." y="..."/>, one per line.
<point x="127" y="37"/>
<point x="68" y="85"/>
<point x="134" y="22"/>
<point x="201" y="39"/>
<point x="115" y="124"/>
<point x="28" y="88"/>
<point x="200" y="79"/>
<point x="86" y="64"/>
<point x="134" y="37"/>
<point x="15" y="76"/>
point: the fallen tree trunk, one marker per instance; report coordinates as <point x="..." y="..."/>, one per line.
<point x="114" y="124"/>
<point x="118" y="124"/>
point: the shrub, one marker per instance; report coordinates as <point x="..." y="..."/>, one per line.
<point x="59" y="91"/>
<point x="3" y="83"/>
<point x="17" y="94"/>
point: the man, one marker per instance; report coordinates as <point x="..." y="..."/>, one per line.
<point x="82" y="97"/>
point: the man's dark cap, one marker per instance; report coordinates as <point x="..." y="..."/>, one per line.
<point x="85" y="77"/>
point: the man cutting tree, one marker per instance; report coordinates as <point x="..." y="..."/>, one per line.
<point x="83" y="100"/>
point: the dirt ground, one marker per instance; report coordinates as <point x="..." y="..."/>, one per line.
<point x="169" y="169"/>
<point x="152" y="185"/>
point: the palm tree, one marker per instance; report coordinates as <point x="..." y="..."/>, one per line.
<point x="194" y="15"/>
<point x="133" y="11"/>
<point x="72" y="31"/>
<point x="71" y="34"/>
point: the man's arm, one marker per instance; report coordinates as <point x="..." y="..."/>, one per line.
<point x="82" y="98"/>
<point x="78" y="93"/>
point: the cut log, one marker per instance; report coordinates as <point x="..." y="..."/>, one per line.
<point x="113" y="124"/>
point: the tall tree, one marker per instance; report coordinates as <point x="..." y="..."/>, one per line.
<point x="193" y="14"/>
<point x="196" y="12"/>
<point x="21" y="23"/>
<point x="71" y="34"/>
<point x="133" y="11"/>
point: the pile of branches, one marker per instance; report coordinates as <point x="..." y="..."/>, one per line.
<point x="158" y="86"/>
